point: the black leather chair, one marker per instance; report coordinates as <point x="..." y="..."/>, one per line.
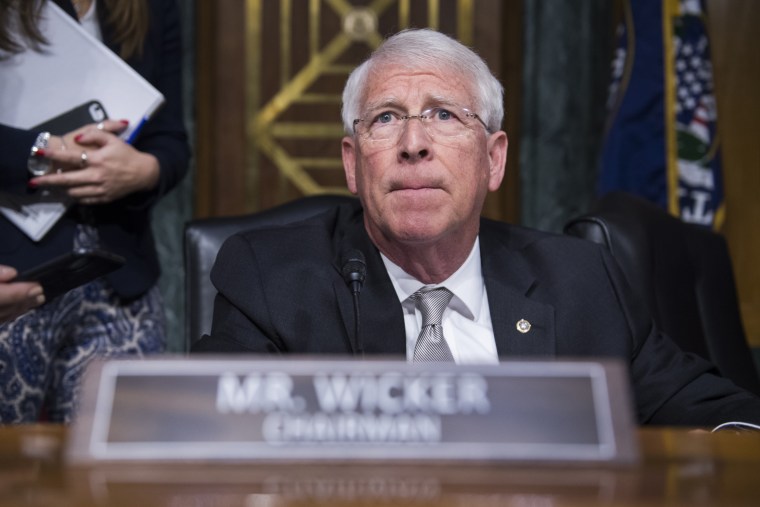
<point x="204" y="237"/>
<point x="682" y="271"/>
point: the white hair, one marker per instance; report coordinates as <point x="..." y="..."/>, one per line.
<point x="425" y="48"/>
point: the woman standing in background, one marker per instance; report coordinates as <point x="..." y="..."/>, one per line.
<point x="114" y="187"/>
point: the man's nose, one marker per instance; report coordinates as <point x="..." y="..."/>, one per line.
<point x="414" y="140"/>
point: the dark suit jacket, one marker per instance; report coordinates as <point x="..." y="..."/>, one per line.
<point x="281" y="291"/>
<point x="124" y="225"/>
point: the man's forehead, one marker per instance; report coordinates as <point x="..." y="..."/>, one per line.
<point x="403" y="86"/>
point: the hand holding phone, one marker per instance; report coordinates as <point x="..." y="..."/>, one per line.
<point x="17" y="298"/>
<point x="71" y="270"/>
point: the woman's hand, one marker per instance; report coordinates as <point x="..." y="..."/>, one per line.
<point x="60" y="143"/>
<point x="17" y="297"/>
<point x="97" y="167"/>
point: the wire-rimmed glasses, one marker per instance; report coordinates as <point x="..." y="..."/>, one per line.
<point x="439" y="122"/>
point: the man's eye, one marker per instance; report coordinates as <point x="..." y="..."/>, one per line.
<point x="443" y="115"/>
<point x="385" y="117"/>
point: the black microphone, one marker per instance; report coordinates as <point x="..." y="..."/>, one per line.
<point x="354" y="271"/>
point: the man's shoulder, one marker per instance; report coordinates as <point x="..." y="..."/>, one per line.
<point x="326" y="223"/>
<point x="310" y="240"/>
<point x="516" y="237"/>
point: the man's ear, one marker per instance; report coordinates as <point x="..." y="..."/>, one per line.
<point x="348" y="152"/>
<point x="497" y="157"/>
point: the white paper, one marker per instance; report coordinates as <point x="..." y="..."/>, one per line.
<point x="33" y="215"/>
<point x="72" y="69"/>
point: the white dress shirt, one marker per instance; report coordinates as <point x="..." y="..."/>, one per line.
<point x="467" y="325"/>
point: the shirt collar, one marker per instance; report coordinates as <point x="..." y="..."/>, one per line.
<point x="466" y="283"/>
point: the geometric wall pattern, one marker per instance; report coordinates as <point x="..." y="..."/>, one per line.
<point x="298" y="56"/>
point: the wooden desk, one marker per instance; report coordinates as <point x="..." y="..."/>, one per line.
<point x="678" y="468"/>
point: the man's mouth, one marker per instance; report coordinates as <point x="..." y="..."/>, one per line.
<point x="414" y="186"/>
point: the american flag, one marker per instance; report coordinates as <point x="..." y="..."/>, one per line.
<point x="699" y="170"/>
<point x="661" y="141"/>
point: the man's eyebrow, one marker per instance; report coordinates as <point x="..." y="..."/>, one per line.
<point x="438" y="100"/>
<point x="379" y="104"/>
<point x="393" y="103"/>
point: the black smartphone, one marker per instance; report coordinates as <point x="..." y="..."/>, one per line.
<point x="71" y="270"/>
<point x="79" y="116"/>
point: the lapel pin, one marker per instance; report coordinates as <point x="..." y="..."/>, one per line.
<point x="523" y="326"/>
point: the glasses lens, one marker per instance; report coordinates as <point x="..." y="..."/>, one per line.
<point x="446" y="122"/>
<point x="379" y="126"/>
<point x="438" y="122"/>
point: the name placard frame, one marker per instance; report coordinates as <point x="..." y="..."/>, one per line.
<point x="307" y="409"/>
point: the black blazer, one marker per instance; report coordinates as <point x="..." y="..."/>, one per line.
<point x="281" y="291"/>
<point x="123" y="225"/>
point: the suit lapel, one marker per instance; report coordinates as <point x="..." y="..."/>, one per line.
<point x="381" y="321"/>
<point x="509" y="281"/>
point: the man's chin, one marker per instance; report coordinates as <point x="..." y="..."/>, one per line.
<point x="418" y="230"/>
<point x="418" y="201"/>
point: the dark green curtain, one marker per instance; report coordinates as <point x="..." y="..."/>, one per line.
<point x="567" y="53"/>
<point x="175" y="209"/>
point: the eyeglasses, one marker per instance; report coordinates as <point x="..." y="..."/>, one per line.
<point x="439" y="122"/>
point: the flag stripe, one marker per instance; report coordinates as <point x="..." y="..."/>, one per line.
<point x="669" y="10"/>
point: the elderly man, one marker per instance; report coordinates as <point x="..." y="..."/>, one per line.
<point x="423" y="148"/>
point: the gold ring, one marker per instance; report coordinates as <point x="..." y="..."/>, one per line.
<point x="83" y="160"/>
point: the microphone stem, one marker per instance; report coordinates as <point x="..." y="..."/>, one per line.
<point x="357" y="319"/>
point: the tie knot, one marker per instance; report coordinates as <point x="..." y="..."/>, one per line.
<point x="431" y="303"/>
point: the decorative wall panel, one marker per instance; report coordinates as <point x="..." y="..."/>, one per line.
<point x="299" y="54"/>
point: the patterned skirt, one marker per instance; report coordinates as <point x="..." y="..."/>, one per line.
<point x="44" y="353"/>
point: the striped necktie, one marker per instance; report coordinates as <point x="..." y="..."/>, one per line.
<point x="431" y="345"/>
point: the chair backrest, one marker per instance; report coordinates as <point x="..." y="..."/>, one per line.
<point x="203" y="238"/>
<point x="682" y="271"/>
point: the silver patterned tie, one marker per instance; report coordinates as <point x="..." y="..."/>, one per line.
<point x="431" y="345"/>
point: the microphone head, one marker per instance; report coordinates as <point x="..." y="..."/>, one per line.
<point x="354" y="268"/>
